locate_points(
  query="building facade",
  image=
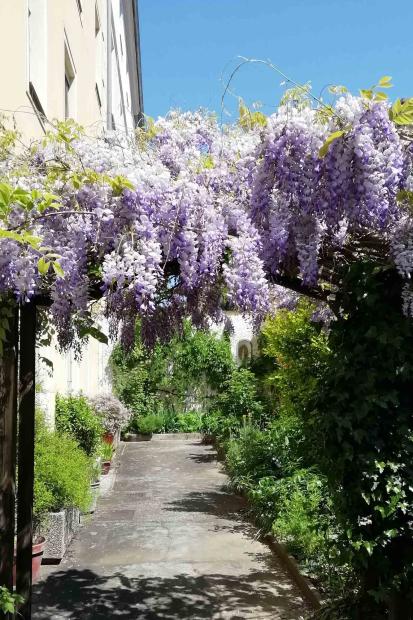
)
(75, 59)
(78, 59)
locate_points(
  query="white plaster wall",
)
(241, 331)
(34, 35)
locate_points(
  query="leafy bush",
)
(239, 397)
(299, 349)
(9, 602)
(190, 422)
(151, 423)
(62, 473)
(250, 456)
(221, 426)
(130, 376)
(75, 417)
(173, 376)
(364, 415)
(110, 410)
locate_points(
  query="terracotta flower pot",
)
(105, 467)
(37, 555)
(108, 438)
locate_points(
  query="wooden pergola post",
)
(8, 433)
(17, 405)
(25, 458)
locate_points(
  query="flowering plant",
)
(188, 214)
(111, 411)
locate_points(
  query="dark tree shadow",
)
(208, 457)
(217, 503)
(85, 595)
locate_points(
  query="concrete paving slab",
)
(169, 541)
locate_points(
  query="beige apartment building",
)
(70, 59)
(75, 59)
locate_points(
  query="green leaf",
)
(46, 361)
(379, 96)
(22, 197)
(334, 136)
(368, 546)
(95, 332)
(401, 112)
(23, 237)
(58, 269)
(405, 195)
(366, 93)
(5, 193)
(337, 89)
(385, 81)
(43, 266)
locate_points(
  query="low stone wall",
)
(60, 529)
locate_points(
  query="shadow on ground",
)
(85, 595)
(208, 457)
(216, 503)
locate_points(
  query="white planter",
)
(60, 529)
(94, 492)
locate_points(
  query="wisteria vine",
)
(188, 216)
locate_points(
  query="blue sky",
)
(189, 48)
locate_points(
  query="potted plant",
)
(94, 486)
(112, 414)
(37, 556)
(61, 490)
(107, 455)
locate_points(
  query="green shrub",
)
(302, 513)
(239, 397)
(160, 381)
(299, 348)
(75, 417)
(298, 510)
(250, 456)
(190, 422)
(62, 473)
(364, 415)
(151, 423)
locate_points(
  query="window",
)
(244, 351)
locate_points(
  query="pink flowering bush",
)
(110, 410)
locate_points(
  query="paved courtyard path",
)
(168, 541)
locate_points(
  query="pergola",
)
(17, 409)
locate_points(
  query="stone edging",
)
(308, 590)
(166, 436)
(136, 437)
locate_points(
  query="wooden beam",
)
(8, 428)
(25, 459)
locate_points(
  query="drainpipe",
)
(109, 64)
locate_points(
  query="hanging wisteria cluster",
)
(187, 216)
